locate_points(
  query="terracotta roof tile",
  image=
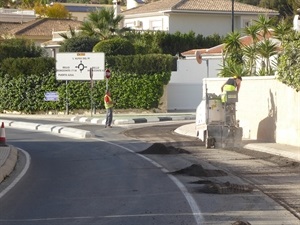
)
(44, 27)
(197, 5)
(6, 27)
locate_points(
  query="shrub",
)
(115, 46)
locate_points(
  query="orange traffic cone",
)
(2, 135)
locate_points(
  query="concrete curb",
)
(294, 155)
(72, 132)
(187, 130)
(9, 162)
(132, 120)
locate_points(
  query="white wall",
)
(149, 23)
(184, 91)
(205, 24)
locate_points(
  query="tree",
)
(264, 24)
(18, 48)
(103, 24)
(288, 66)
(250, 51)
(282, 29)
(266, 49)
(115, 46)
(231, 69)
(233, 57)
(233, 47)
(57, 11)
(5, 3)
(79, 44)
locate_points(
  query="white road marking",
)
(18, 178)
(191, 201)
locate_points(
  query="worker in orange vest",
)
(109, 104)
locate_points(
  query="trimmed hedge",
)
(27, 66)
(135, 86)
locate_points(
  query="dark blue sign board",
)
(51, 96)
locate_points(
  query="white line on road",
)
(18, 178)
(191, 201)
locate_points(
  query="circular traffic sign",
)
(107, 73)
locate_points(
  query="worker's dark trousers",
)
(109, 116)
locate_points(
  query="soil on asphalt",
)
(275, 176)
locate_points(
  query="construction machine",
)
(216, 122)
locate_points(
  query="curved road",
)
(106, 181)
(91, 182)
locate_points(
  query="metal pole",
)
(232, 16)
(207, 67)
(91, 100)
(91, 76)
(67, 99)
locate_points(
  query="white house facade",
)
(202, 17)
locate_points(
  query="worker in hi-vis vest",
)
(109, 104)
(232, 84)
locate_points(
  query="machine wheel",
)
(207, 140)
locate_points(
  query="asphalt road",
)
(226, 186)
(91, 182)
(274, 179)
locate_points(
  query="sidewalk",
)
(288, 151)
(9, 154)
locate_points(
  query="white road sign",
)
(77, 65)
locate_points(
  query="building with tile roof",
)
(40, 30)
(44, 32)
(204, 17)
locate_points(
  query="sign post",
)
(107, 76)
(91, 76)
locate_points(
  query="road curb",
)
(121, 121)
(9, 162)
(72, 132)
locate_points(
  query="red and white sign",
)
(107, 73)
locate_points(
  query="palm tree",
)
(264, 25)
(103, 24)
(266, 49)
(250, 51)
(232, 69)
(233, 47)
(70, 34)
(250, 57)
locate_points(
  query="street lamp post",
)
(232, 16)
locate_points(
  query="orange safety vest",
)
(108, 104)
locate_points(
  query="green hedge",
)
(133, 87)
(27, 66)
(141, 64)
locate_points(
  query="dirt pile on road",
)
(225, 188)
(198, 171)
(241, 223)
(159, 148)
